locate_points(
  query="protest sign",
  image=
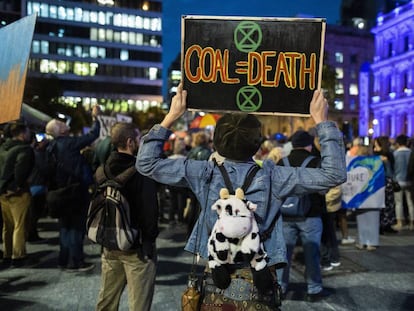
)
(16, 40)
(365, 184)
(252, 64)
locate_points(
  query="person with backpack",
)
(135, 266)
(237, 137)
(307, 224)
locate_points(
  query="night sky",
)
(174, 9)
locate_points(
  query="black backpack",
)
(296, 206)
(109, 221)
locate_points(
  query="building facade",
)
(100, 52)
(392, 101)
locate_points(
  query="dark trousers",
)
(329, 241)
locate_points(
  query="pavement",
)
(366, 280)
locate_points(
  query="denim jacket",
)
(271, 184)
(401, 158)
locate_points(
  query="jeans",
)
(399, 207)
(309, 231)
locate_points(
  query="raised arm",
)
(177, 108)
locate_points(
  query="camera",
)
(40, 137)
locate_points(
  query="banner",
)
(16, 40)
(252, 64)
(106, 123)
(365, 185)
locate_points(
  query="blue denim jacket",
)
(401, 158)
(271, 184)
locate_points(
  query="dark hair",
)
(120, 133)
(17, 128)
(402, 140)
(237, 136)
(384, 143)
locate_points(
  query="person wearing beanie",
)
(298, 227)
(237, 137)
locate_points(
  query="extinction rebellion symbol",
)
(247, 38)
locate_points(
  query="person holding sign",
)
(237, 138)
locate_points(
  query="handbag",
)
(63, 201)
(190, 299)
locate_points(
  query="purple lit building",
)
(392, 100)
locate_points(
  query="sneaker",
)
(335, 264)
(397, 227)
(84, 267)
(371, 248)
(359, 246)
(327, 267)
(318, 296)
(348, 240)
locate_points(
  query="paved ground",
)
(379, 280)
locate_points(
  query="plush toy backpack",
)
(235, 237)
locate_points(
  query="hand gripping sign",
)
(252, 64)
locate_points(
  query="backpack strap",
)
(304, 163)
(247, 182)
(103, 174)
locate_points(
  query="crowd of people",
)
(174, 181)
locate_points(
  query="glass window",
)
(124, 20)
(101, 34)
(131, 21)
(102, 52)
(69, 50)
(339, 104)
(153, 41)
(44, 10)
(61, 12)
(353, 74)
(93, 68)
(85, 16)
(70, 15)
(124, 37)
(93, 51)
(139, 22)
(94, 34)
(61, 67)
(124, 55)
(78, 14)
(352, 104)
(44, 66)
(339, 88)
(117, 36)
(101, 18)
(35, 46)
(132, 38)
(353, 89)
(155, 24)
(354, 58)
(339, 57)
(36, 8)
(44, 47)
(94, 17)
(152, 73)
(109, 18)
(140, 39)
(147, 23)
(339, 73)
(77, 51)
(53, 11)
(118, 19)
(109, 35)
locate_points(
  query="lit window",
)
(85, 16)
(176, 75)
(109, 17)
(117, 36)
(124, 20)
(118, 20)
(139, 22)
(36, 8)
(61, 12)
(77, 51)
(101, 18)
(152, 73)
(81, 69)
(69, 51)
(93, 67)
(102, 53)
(93, 51)
(78, 14)
(131, 21)
(61, 68)
(124, 55)
(124, 37)
(44, 10)
(147, 23)
(339, 104)
(153, 41)
(94, 34)
(132, 38)
(35, 46)
(94, 17)
(44, 47)
(155, 24)
(44, 66)
(339, 73)
(109, 35)
(53, 11)
(70, 15)
(339, 57)
(140, 38)
(353, 89)
(101, 34)
(339, 88)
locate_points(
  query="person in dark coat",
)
(72, 167)
(136, 266)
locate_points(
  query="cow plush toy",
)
(235, 239)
